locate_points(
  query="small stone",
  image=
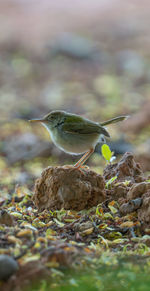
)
(8, 266)
(130, 206)
(6, 218)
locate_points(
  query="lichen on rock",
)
(69, 188)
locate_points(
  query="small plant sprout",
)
(110, 181)
(107, 153)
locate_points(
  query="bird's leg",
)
(83, 159)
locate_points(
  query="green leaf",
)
(112, 209)
(60, 224)
(109, 182)
(99, 210)
(106, 152)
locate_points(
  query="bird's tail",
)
(114, 120)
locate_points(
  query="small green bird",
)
(75, 134)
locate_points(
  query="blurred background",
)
(87, 57)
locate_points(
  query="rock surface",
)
(69, 188)
(138, 199)
(131, 206)
(144, 211)
(125, 169)
(138, 189)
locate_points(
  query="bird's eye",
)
(51, 118)
(102, 139)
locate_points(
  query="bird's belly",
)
(75, 143)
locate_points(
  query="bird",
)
(75, 134)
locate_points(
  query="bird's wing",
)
(82, 126)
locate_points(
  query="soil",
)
(69, 188)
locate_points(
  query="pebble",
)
(6, 218)
(8, 266)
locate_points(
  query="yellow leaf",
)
(13, 239)
(127, 224)
(112, 209)
(16, 214)
(25, 232)
(106, 152)
(99, 211)
(112, 203)
(41, 239)
(87, 250)
(108, 215)
(119, 240)
(37, 223)
(60, 224)
(87, 231)
(102, 226)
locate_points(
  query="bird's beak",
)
(37, 120)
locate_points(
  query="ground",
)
(61, 247)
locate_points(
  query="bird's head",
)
(52, 119)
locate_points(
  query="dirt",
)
(125, 169)
(68, 188)
(144, 211)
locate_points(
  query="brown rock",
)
(26, 274)
(144, 159)
(119, 191)
(137, 190)
(125, 169)
(130, 206)
(69, 188)
(6, 218)
(144, 211)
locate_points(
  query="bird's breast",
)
(74, 143)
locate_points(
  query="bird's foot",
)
(81, 168)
